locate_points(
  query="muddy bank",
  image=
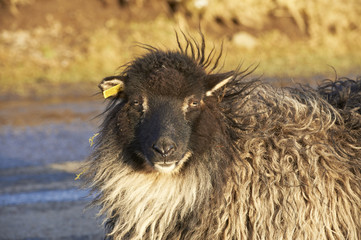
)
(30, 112)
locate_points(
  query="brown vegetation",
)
(55, 41)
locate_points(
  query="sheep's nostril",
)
(165, 149)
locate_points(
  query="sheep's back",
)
(300, 163)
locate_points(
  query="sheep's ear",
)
(112, 86)
(216, 81)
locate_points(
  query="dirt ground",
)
(80, 17)
(68, 46)
(74, 14)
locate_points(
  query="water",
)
(44, 144)
(67, 195)
(38, 133)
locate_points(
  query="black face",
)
(163, 130)
(164, 96)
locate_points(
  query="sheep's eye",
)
(194, 103)
(136, 102)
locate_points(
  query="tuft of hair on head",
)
(211, 63)
(197, 51)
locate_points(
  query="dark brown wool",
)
(185, 153)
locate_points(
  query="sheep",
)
(186, 151)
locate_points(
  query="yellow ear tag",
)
(113, 91)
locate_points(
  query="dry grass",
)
(56, 54)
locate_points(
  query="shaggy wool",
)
(281, 164)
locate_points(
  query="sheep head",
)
(162, 97)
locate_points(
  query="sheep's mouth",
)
(165, 167)
(171, 166)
